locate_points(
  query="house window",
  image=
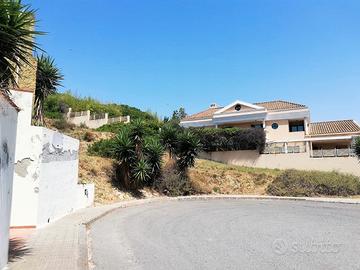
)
(257, 126)
(238, 107)
(296, 126)
(275, 125)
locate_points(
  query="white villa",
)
(287, 125)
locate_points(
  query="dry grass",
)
(216, 178)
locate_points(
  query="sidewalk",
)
(62, 245)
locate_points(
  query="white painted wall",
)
(46, 186)
(46, 172)
(8, 122)
(299, 161)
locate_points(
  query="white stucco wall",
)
(300, 161)
(46, 172)
(46, 179)
(8, 122)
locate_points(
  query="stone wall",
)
(27, 79)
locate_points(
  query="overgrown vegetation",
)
(139, 150)
(57, 104)
(230, 139)
(314, 183)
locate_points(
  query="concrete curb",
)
(85, 245)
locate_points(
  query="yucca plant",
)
(124, 152)
(137, 133)
(141, 172)
(48, 79)
(154, 152)
(16, 41)
(168, 137)
(188, 147)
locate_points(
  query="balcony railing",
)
(284, 148)
(341, 152)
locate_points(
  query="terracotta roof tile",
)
(334, 127)
(280, 105)
(208, 113)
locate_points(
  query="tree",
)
(48, 78)
(357, 146)
(179, 114)
(16, 41)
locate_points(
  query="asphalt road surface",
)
(228, 234)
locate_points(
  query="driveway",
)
(228, 234)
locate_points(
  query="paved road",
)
(228, 234)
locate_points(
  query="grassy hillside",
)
(58, 103)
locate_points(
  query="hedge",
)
(230, 139)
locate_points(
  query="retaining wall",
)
(300, 161)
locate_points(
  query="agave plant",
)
(48, 78)
(154, 152)
(187, 150)
(16, 40)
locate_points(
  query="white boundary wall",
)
(299, 161)
(46, 179)
(8, 123)
(84, 118)
(46, 172)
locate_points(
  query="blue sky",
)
(161, 55)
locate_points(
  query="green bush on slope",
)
(314, 183)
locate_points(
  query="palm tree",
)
(16, 41)
(48, 78)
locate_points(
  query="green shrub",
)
(151, 126)
(314, 183)
(174, 184)
(102, 148)
(230, 139)
(57, 104)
